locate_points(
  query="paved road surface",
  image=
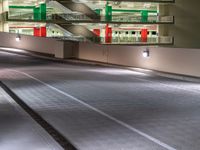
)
(102, 108)
(18, 131)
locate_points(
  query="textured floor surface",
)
(18, 131)
(102, 108)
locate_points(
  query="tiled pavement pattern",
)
(165, 109)
(18, 131)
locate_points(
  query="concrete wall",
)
(59, 49)
(30, 43)
(187, 23)
(173, 60)
(94, 52)
(182, 58)
(68, 49)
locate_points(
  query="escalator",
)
(79, 7)
(60, 21)
(78, 30)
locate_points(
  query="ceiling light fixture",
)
(18, 38)
(146, 53)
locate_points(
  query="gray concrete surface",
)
(103, 108)
(18, 131)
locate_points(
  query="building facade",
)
(142, 22)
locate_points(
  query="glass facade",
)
(104, 22)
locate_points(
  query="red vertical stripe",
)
(43, 31)
(36, 31)
(97, 32)
(144, 34)
(108, 34)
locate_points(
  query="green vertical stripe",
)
(43, 10)
(36, 14)
(108, 13)
(144, 15)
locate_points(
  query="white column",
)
(5, 27)
(5, 6)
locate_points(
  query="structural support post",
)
(108, 13)
(108, 34)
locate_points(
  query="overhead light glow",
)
(12, 49)
(18, 38)
(146, 53)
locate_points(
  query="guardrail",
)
(139, 19)
(166, 40)
(152, 1)
(121, 18)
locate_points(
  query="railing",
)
(161, 1)
(166, 39)
(49, 17)
(162, 40)
(68, 17)
(20, 16)
(157, 1)
(139, 19)
(81, 17)
(115, 19)
(138, 41)
(167, 19)
(69, 38)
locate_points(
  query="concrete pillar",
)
(1, 6)
(5, 6)
(1, 10)
(5, 27)
(163, 11)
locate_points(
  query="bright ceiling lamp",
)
(146, 53)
